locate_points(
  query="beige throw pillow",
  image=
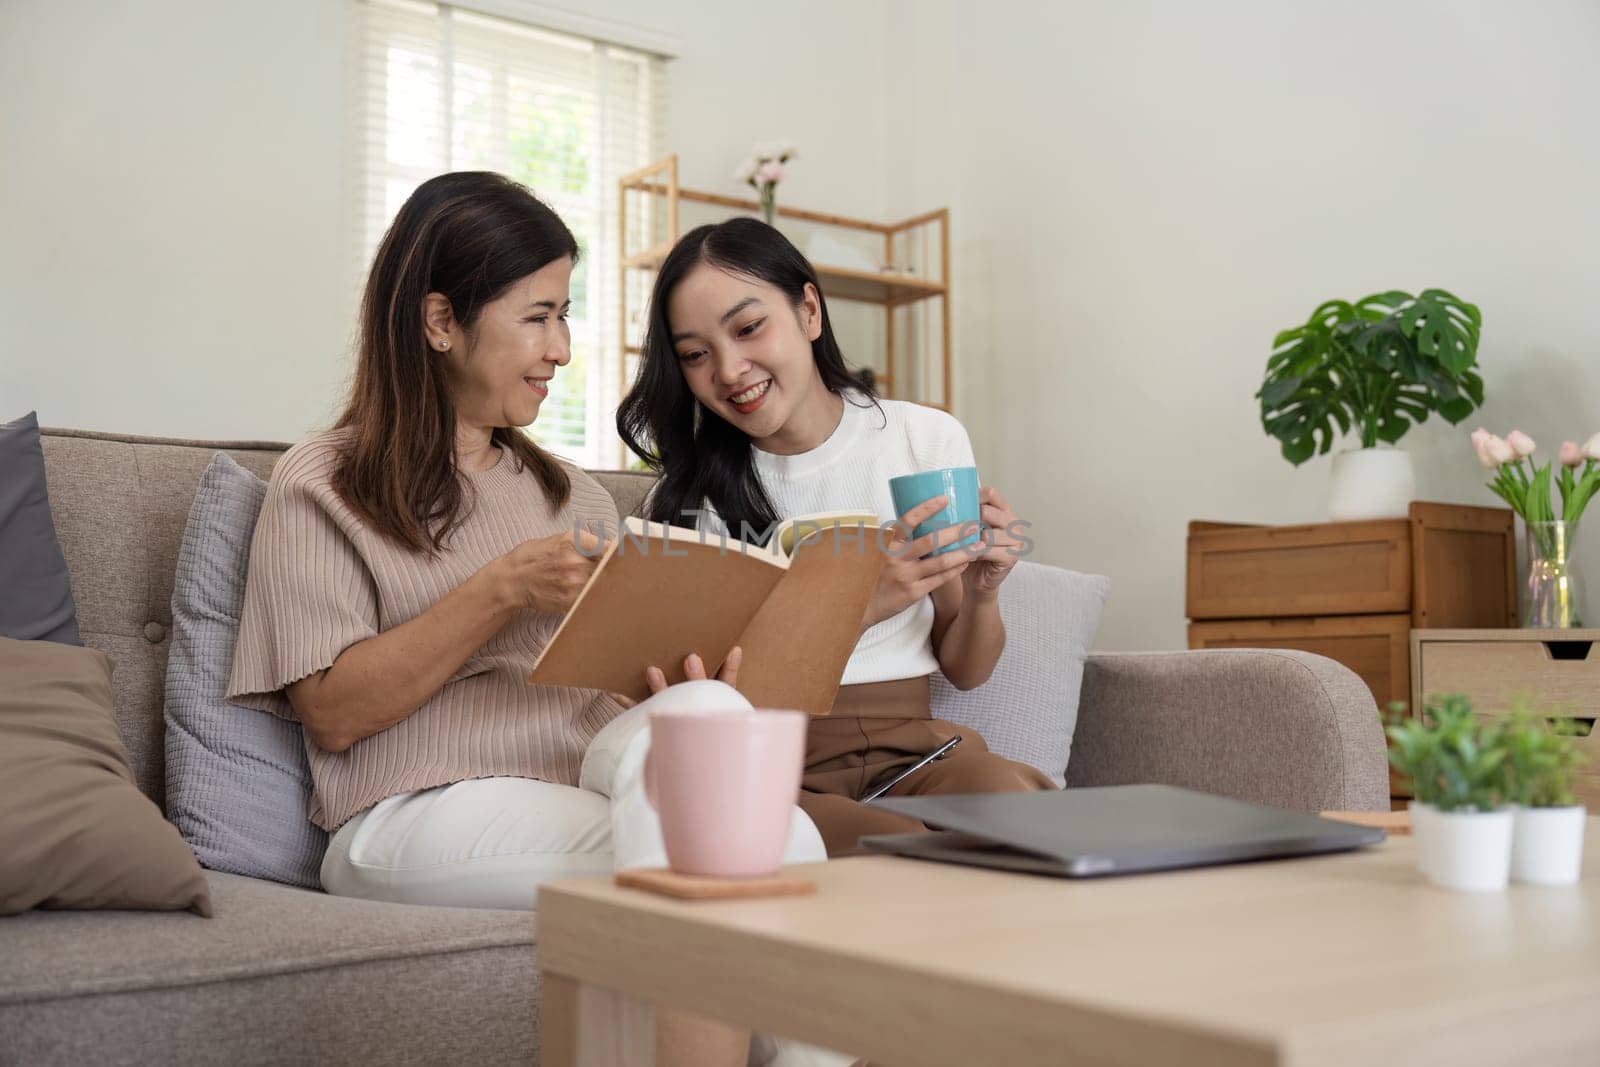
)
(75, 832)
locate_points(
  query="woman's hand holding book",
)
(546, 574)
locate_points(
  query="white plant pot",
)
(1471, 850)
(1547, 845)
(1422, 833)
(1371, 483)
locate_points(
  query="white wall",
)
(172, 215)
(1144, 194)
(751, 72)
(174, 239)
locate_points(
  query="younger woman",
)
(746, 407)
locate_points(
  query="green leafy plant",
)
(1455, 761)
(1414, 752)
(1375, 367)
(1542, 762)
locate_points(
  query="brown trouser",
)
(877, 730)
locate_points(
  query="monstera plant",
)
(1371, 369)
(1375, 367)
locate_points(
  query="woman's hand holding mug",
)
(911, 572)
(1002, 549)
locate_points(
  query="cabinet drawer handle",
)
(1568, 650)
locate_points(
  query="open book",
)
(661, 592)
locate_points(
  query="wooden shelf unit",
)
(888, 289)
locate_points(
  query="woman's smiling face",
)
(499, 371)
(744, 348)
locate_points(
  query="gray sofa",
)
(284, 975)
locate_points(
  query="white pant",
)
(491, 842)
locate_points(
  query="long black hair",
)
(700, 455)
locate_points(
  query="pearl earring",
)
(443, 345)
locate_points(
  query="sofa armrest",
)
(1289, 729)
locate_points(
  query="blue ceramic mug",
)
(959, 487)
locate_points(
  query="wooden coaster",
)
(697, 887)
(1395, 822)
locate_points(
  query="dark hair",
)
(700, 455)
(468, 236)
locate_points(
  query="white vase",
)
(1422, 833)
(1471, 850)
(1371, 483)
(1547, 845)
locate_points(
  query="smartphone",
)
(939, 753)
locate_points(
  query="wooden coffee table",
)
(1338, 960)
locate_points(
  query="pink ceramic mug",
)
(725, 784)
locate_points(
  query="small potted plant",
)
(1542, 765)
(1464, 841)
(1413, 749)
(1372, 369)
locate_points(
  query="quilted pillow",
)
(238, 786)
(1028, 708)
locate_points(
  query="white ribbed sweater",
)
(321, 580)
(851, 471)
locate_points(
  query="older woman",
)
(410, 564)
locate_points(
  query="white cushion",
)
(1028, 708)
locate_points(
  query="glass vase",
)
(1554, 591)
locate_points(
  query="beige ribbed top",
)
(321, 580)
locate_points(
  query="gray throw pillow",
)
(238, 786)
(1028, 708)
(37, 602)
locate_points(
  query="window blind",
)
(438, 88)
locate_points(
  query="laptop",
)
(1124, 829)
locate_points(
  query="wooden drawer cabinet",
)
(1447, 565)
(1245, 572)
(1558, 671)
(1374, 646)
(1353, 591)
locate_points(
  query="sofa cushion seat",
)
(280, 974)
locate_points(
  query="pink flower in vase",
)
(1571, 455)
(770, 171)
(1500, 452)
(1591, 448)
(1521, 444)
(1480, 445)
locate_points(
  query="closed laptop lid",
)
(1114, 829)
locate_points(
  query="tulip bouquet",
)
(763, 171)
(1527, 488)
(1554, 596)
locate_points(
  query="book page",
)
(800, 529)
